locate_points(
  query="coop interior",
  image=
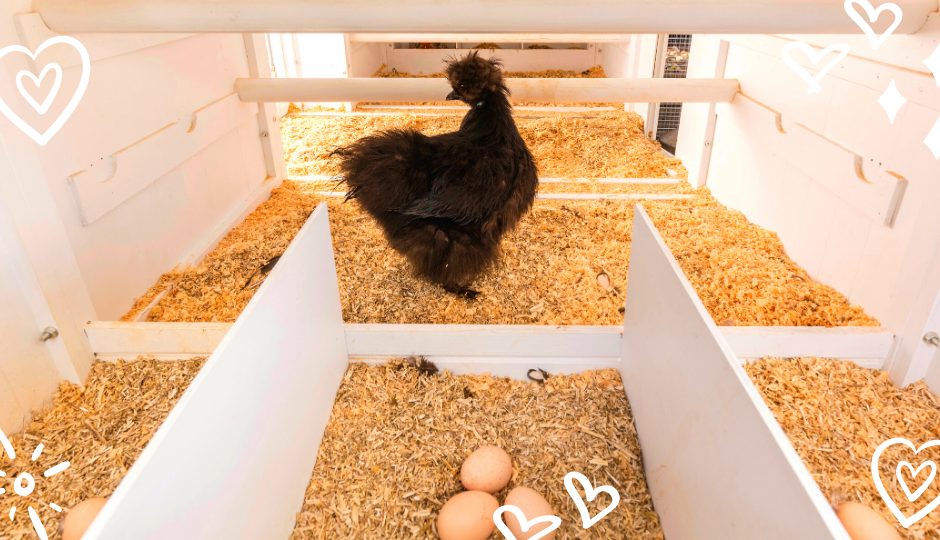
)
(725, 296)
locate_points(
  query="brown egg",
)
(488, 469)
(467, 516)
(532, 505)
(79, 518)
(863, 523)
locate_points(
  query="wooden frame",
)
(33, 32)
(544, 180)
(489, 38)
(709, 442)
(711, 120)
(424, 16)
(537, 90)
(234, 457)
(867, 346)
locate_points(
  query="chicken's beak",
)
(454, 96)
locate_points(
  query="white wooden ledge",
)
(867, 346)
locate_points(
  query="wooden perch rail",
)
(538, 90)
(483, 16)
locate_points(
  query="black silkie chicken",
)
(444, 202)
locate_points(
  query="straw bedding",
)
(414, 431)
(548, 273)
(550, 265)
(392, 451)
(100, 429)
(607, 144)
(836, 414)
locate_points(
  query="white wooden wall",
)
(615, 57)
(794, 188)
(158, 160)
(28, 373)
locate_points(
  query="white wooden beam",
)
(612, 196)
(33, 32)
(490, 38)
(709, 441)
(867, 346)
(537, 90)
(572, 196)
(544, 180)
(453, 16)
(243, 439)
(465, 108)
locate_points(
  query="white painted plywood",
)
(844, 248)
(427, 61)
(709, 442)
(865, 182)
(118, 176)
(234, 457)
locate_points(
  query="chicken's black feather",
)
(445, 201)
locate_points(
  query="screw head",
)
(48, 333)
(932, 338)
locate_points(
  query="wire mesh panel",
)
(676, 67)
(677, 56)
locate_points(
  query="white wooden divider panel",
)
(127, 171)
(874, 192)
(234, 457)
(717, 463)
(33, 32)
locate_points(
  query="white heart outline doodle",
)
(923, 487)
(872, 17)
(42, 139)
(41, 109)
(905, 522)
(814, 87)
(523, 523)
(591, 493)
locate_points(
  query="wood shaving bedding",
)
(218, 289)
(141, 303)
(392, 451)
(836, 414)
(330, 184)
(603, 145)
(100, 429)
(547, 275)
